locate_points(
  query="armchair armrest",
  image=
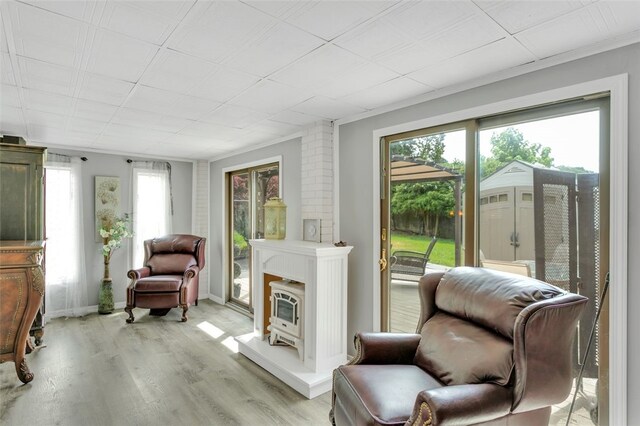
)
(136, 274)
(385, 348)
(461, 405)
(191, 272)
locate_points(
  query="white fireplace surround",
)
(322, 268)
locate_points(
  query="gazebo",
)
(411, 170)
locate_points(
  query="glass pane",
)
(241, 231)
(543, 229)
(427, 177)
(266, 184)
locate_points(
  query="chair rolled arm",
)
(191, 272)
(136, 274)
(385, 348)
(461, 405)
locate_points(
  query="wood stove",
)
(287, 309)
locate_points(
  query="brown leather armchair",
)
(492, 348)
(169, 278)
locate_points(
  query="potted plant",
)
(113, 232)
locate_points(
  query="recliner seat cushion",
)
(491, 298)
(159, 284)
(380, 394)
(170, 264)
(458, 352)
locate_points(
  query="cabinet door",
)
(21, 216)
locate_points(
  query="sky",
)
(573, 139)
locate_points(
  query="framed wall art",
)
(107, 190)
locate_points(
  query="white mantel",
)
(323, 270)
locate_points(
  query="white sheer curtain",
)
(152, 204)
(66, 283)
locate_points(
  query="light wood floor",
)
(97, 370)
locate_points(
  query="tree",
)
(510, 145)
(425, 147)
(426, 200)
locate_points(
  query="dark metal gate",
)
(567, 243)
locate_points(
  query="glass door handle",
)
(383, 260)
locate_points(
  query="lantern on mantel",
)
(275, 219)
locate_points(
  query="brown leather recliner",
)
(169, 278)
(492, 348)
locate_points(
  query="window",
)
(152, 205)
(65, 278)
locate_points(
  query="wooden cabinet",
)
(22, 202)
(21, 293)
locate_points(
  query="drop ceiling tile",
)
(77, 139)
(294, 117)
(279, 46)
(165, 123)
(47, 77)
(46, 119)
(134, 134)
(387, 93)
(520, 15)
(47, 102)
(93, 110)
(119, 143)
(222, 29)
(46, 134)
(9, 96)
(3, 40)
(88, 127)
(104, 89)
(169, 103)
(119, 56)
(327, 108)
(426, 18)
(464, 36)
(6, 69)
(582, 27)
(359, 78)
(329, 19)
(175, 9)
(374, 39)
(280, 8)
(234, 116)
(141, 23)
(270, 97)
(47, 36)
(12, 121)
(501, 55)
(208, 130)
(80, 10)
(223, 84)
(176, 71)
(320, 65)
(275, 128)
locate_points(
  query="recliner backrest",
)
(174, 254)
(468, 335)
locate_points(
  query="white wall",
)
(116, 165)
(290, 175)
(357, 193)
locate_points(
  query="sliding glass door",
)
(248, 191)
(525, 192)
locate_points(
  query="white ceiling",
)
(202, 79)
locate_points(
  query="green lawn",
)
(443, 252)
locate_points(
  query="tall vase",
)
(105, 296)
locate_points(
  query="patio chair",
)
(404, 262)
